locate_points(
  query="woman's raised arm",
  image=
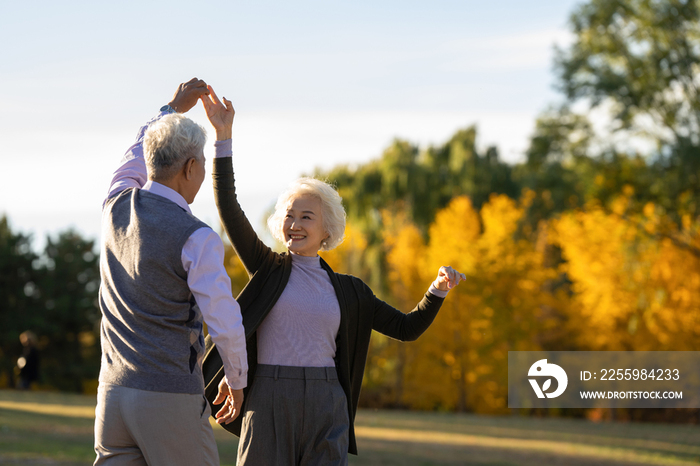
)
(249, 248)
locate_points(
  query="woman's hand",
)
(220, 114)
(448, 278)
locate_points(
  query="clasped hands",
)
(220, 113)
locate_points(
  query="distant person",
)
(308, 327)
(162, 274)
(28, 363)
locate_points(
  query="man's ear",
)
(188, 168)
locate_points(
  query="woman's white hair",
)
(169, 143)
(332, 210)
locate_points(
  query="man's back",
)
(152, 328)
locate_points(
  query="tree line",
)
(54, 295)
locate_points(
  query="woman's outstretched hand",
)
(448, 278)
(220, 114)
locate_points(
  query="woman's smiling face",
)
(303, 225)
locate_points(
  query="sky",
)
(314, 84)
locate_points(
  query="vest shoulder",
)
(165, 207)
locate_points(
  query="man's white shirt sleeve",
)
(203, 259)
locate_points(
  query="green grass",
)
(57, 429)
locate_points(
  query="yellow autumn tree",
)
(348, 256)
(635, 277)
(406, 283)
(445, 348)
(673, 292)
(461, 361)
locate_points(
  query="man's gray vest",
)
(151, 328)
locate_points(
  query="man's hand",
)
(187, 95)
(234, 401)
(220, 114)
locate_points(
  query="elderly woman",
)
(307, 327)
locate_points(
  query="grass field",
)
(56, 429)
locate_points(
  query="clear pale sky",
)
(314, 83)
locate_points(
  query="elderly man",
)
(162, 274)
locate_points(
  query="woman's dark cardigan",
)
(360, 311)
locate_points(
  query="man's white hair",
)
(169, 143)
(332, 210)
